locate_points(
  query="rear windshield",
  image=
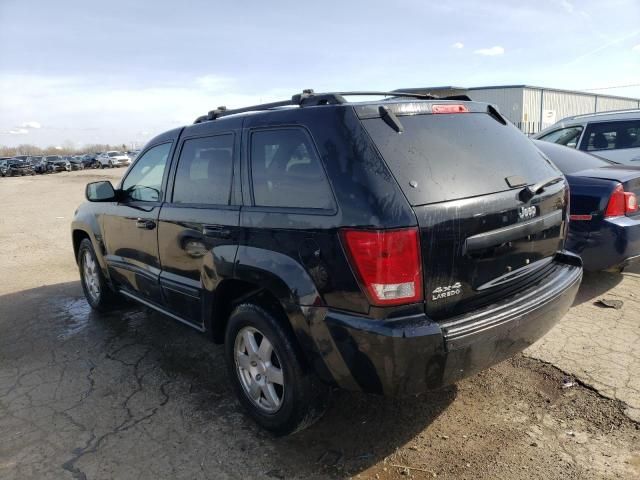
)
(450, 156)
(569, 160)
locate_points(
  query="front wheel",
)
(96, 290)
(280, 392)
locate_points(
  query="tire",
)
(303, 397)
(97, 292)
(110, 164)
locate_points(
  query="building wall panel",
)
(605, 104)
(508, 101)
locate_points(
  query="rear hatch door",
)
(482, 237)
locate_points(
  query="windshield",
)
(53, 157)
(113, 154)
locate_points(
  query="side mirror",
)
(100, 192)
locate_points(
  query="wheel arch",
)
(77, 235)
(82, 228)
(280, 285)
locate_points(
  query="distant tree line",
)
(27, 149)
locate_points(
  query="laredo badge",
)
(447, 291)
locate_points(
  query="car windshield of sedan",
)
(114, 154)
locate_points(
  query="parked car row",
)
(32, 164)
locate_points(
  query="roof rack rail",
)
(307, 98)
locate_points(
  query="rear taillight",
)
(387, 263)
(449, 108)
(621, 203)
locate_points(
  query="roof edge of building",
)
(534, 87)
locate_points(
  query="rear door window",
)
(286, 170)
(612, 136)
(451, 156)
(204, 171)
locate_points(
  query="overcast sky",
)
(111, 71)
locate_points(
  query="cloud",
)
(23, 129)
(90, 111)
(490, 52)
(457, 45)
(567, 5)
(636, 48)
(604, 46)
(213, 82)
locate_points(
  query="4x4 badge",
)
(446, 291)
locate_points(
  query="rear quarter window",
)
(286, 170)
(451, 156)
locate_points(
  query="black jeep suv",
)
(388, 246)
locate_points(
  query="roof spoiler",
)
(426, 91)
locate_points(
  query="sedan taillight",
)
(621, 203)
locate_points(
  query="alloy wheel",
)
(90, 276)
(259, 369)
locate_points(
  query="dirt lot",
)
(134, 395)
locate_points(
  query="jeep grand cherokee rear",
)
(388, 246)
(484, 266)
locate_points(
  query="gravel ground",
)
(134, 395)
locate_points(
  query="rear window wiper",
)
(527, 193)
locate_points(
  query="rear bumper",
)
(414, 354)
(615, 244)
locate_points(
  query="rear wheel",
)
(96, 290)
(269, 377)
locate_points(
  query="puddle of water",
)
(74, 312)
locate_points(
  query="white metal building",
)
(534, 108)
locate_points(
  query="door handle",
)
(146, 224)
(216, 231)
